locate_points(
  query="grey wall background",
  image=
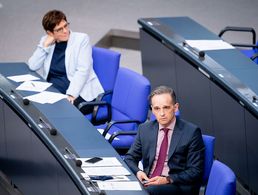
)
(21, 28)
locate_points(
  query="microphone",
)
(52, 131)
(201, 54)
(26, 101)
(78, 162)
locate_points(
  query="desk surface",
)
(64, 117)
(239, 72)
(70, 123)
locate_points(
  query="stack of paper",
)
(113, 171)
(36, 86)
(125, 185)
(106, 161)
(107, 166)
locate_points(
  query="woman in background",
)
(66, 59)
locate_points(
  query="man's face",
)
(163, 108)
(61, 31)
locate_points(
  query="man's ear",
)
(176, 106)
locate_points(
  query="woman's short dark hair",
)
(51, 19)
(162, 90)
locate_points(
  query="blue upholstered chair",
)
(209, 142)
(222, 180)
(128, 108)
(251, 50)
(105, 64)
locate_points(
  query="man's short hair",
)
(51, 19)
(163, 90)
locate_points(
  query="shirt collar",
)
(171, 126)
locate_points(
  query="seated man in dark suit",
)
(171, 149)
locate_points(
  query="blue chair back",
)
(106, 64)
(130, 98)
(209, 142)
(222, 180)
(129, 102)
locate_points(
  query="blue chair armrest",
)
(96, 103)
(254, 56)
(111, 123)
(117, 133)
(96, 108)
(102, 95)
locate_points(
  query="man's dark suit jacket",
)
(185, 156)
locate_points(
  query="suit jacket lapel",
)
(68, 51)
(154, 137)
(176, 136)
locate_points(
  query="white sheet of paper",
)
(115, 178)
(46, 97)
(118, 178)
(105, 162)
(120, 185)
(106, 170)
(204, 45)
(36, 86)
(85, 176)
(24, 77)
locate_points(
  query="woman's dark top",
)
(57, 73)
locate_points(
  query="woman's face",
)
(61, 32)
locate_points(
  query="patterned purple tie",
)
(162, 155)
